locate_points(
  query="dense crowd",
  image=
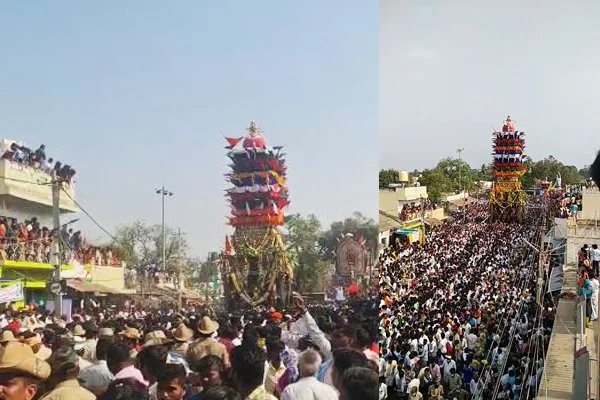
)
(567, 202)
(414, 211)
(29, 241)
(26, 157)
(311, 353)
(459, 318)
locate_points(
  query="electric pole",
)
(56, 244)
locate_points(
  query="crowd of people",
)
(27, 157)
(30, 241)
(414, 211)
(308, 353)
(567, 203)
(459, 318)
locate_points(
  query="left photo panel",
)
(187, 201)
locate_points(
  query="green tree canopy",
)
(306, 253)
(450, 175)
(387, 177)
(548, 169)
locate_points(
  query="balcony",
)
(32, 185)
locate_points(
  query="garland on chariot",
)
(255, 258)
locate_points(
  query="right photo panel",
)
(489, 206)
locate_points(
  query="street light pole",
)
(163, 192)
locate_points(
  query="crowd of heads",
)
(567, 202)
(458, 314)
(29, 241)
(27, 157)
(111, 353)
(414, 211)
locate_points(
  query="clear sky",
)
(135, 94)
(450, 70)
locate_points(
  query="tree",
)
(548, 168)
(307, 254)
(585, 172)
(528, 179)
(437, 183)
(140, 244)
(459, 172)
(387, 177)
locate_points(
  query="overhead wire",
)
(89, 215)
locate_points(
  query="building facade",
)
(26, 195)
(405, 211)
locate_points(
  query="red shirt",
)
(15, 326)
(375, 348)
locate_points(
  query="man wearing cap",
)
(207, 344)
(182, 336)
(35, 342)
(105, 333)
(132, 336)
(21, 372)
(65, 369)
(6, 337)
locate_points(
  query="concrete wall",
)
(112, 277)
(585, 235)
(388, 202)
(384, 239)
(590, 204)
(454, 197)
(412, 193)
(438, 213)
(25, 183)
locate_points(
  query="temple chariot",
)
(507, 198)
(255, 263)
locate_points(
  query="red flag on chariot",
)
(233, 141)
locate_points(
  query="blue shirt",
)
(468, 374)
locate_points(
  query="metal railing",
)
(582, 356)
(584, 386)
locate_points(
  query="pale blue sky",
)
(450, 70)
(137, 93)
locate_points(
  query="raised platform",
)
(558, 378)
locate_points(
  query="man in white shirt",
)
(595, 254)
(308, 387)
(594, 285)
